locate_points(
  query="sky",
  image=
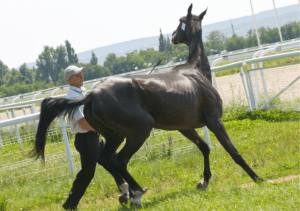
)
(29, 25)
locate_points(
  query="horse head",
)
(189, 26)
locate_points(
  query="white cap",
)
(72, 70)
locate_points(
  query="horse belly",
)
(175, 114)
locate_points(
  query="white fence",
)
(213, 60)
(62, 158)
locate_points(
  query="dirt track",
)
(231, 87)
(278, 180)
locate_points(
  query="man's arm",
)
(83, 123)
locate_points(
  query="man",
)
(87, 141)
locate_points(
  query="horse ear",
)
(190, 10)
(202, 14)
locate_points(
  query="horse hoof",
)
(145, 189)
(137, 197)
(123, 198)
(202, 186)
(133, 204)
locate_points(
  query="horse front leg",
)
(202, 145)
(217, 127)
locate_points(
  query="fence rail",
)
(225, 56)
(61, 155)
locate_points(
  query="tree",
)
(72, 57)
(134, 62)
(27, 74)
(169, 45)
(263, 35)
(3, 71)
(181, 53)
(162, 43)
(50, 62)
(93, 71)
(235, 43)
(290, 30)
(60, 62)
(150, 56)
(109, 61)
(94, 59)
(45, 64)
(119, 65)
(251, 40)
(13, 77)
(215, 41)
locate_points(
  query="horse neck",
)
(197, 57)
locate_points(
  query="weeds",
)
(3, 204)
(171, 173)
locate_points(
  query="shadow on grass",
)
(161, 199)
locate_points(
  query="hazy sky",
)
(29, 25)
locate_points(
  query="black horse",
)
(181, 99)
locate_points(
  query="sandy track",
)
(278, 180)
(231, 87)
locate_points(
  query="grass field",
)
(268, 141)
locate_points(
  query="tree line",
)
(52, 62)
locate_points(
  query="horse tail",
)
(50, 109)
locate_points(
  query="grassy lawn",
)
(268, 141)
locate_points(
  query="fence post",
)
(32, 112)
(17, 130)
(32, 108)
(245, 86)
(1, 143)
(264, 82)
(214, 82)
(257, 87)
(250, 89)
(63, 125)
(255, 77)
(24, 112)
(262, 71)
(213, 75)
(11, 129)
(206, 136)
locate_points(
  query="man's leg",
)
(87, 145)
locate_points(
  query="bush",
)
(274, 115)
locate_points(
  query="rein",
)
(163, 57)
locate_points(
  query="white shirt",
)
(73, 94)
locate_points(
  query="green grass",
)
(268, 141)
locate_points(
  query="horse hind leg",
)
(217, 127)
(119, 162)
(104, 157)
(203, 146)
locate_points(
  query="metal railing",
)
(245, 76)
(225, 56)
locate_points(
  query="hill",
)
(241, 26)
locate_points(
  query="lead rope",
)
(163, 57)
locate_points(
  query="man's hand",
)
(83, 123)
